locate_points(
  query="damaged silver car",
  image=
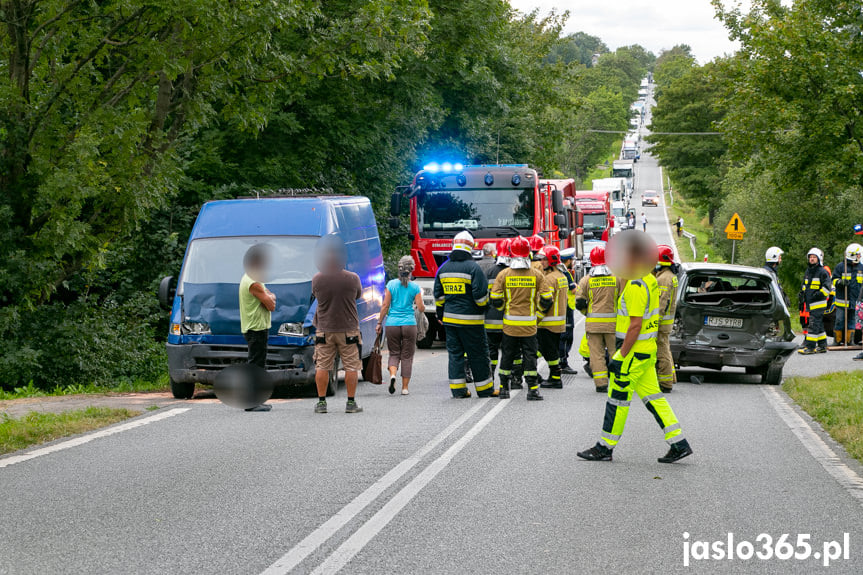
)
(731, 316)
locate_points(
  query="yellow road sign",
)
(734, 235)
(735, 226)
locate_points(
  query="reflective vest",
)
(817, 286)
(852, 278)
(640, 298)
(461, 289)
(522, 294)
(601, 293)
(667, 281)
(555, 320)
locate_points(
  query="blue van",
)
(204, 335)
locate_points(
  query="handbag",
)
(374, 370)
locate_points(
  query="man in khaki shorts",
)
(338, 327)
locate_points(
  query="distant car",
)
(650, 198)
(588, 247)
(732, 316)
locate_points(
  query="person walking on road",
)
(256, 306)
(553, 323)
(400, 300)
(493, 316)
(633, 365)
(596, 297)
(813, 300)
(523, 293)
(666, 277)
(643, 222)
(336, 291)
(848, 284)
(461, 296)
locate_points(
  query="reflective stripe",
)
(670, 428)
(821, 337)
(519, 320)
(483, 385)
(553, 320)
(482, 301)
(648, 398)
(611, 436)
(461, 319)
(641, 336)
(677, 439)
(600, 374)
(618, 403)
(455, 275)
(818, 305)
(494, 326)
(601, 315)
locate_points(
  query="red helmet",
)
(666, 255)
(520, 247)
(552, 254)
(597, 256)
(536, 242)
(503, 248)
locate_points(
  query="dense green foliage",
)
(790, 160)
(119, 118)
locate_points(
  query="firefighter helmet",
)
(818, 253)
(773, 255)
(666, 255)
(503, 248)
(463, 241)
(597, 256)
(536, 242)
(552, 254)
(520, 247)
(854, 252)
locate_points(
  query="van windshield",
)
(220, 260)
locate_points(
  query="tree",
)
(579, 47)
(671, 65)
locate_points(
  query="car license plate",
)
(732, 322)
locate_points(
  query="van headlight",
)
(195, 328)
(293, 329)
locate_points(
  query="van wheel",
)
(772, 374)
(333, 382)
(182, 390)
(428, 340)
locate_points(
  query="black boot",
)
(504, 387)
(533, 390)
(598, 452)
(554, 379)
(676, 452)
(587, 369)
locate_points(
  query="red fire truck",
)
(492, 202)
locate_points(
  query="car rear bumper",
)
(201, 363)
(717, 357)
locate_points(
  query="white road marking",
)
(6, 462)
(387, 513)
(323, 533)
(847, 478)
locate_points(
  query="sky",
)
(655, 24)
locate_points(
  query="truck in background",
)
(629, 150)
(492, 202)
(596, 208)
(624, 169)
(204, 333)
(614, 186)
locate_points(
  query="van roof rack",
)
(289, 193)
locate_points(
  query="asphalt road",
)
(428, 484)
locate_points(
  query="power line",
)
(660, 133)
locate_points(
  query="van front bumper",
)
(201, 363)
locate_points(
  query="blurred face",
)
(813, 259)
(631, 254)
(779, 261)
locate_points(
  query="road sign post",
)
(734, 231)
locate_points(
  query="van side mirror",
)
(395, 223)
(396, 204)
(559, 220)
(557, 201)
(167, 291)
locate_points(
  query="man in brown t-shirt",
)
(338, 327)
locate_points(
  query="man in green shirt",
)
(256, 305)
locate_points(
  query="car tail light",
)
(677, 328)
(774, 329)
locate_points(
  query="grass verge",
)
(138, 386)
(694, 224)
(835, 400)
(35, 428)
(603, 170)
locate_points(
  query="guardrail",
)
(691, 237)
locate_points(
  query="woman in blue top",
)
(398, 310)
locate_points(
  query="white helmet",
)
(463, 241)
(816, 252)
(854, 252)
(773, 254)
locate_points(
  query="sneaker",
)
(405, 392)
(392, 385)
(676, 452)
(262, 407)
(807, 351)
(352, 407)
(596, 453)
(321, 407)
(858, 357)
(602, 389)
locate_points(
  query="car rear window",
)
(726, 290)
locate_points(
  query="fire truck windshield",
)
(594, 222)
(442, 213)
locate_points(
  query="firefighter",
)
(568, 336)
(553, 323)
(813, 300)
(493, 316)
(461, 296)
(633, 366)
(666, 277)
(772, 258)
(522, 293)
(847, 283)
(596, 297)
